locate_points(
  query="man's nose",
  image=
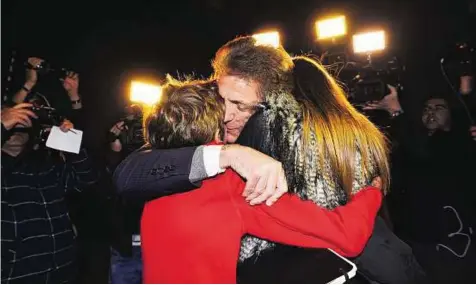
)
(429, 111)
(229, 112)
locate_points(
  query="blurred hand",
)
(66, 125)
(466, 84)
(377, 182)
(265, 176)
(19, 114)
(389, 103)
(32, 74)
(472, 131)
(71, 83)
(117, 129)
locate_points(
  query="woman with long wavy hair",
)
(329, 151)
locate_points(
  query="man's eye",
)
(242, 107)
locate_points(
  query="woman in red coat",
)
(194, 237)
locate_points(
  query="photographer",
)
(126, 260)
(432, 199)
(70, 84)
(38, 241)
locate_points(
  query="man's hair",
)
(438, 95)
(269, 66)
(189, 114)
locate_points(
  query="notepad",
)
(69, 141)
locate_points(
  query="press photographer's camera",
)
(133, 135)
(45, 68)
(369, 83)
(461, 59)
(47, 116)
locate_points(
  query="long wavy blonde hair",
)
(340, 130)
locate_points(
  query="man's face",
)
(436, 115)
(241, 97)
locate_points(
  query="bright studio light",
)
(145, 93)
(331, 28)
(268, 38)
(369, 42)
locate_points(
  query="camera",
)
(133, 136)
(47, 116)
(461, 59)
(45, 68)
(368, 83)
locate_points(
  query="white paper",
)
(69, 141)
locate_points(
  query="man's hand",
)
(389, 103)
(117, 129)
(19, 114)
(71, 84)
(466, 84)
(265, 178)
(31, 73)
(472, 131)
(66, 125)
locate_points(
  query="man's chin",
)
(432, 126)
(230, 138)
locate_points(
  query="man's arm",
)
(152, 173)
(31, 78)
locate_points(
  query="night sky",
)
(110, 42)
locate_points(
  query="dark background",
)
(111, 42)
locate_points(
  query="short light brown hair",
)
(269, 66)
(190, 113)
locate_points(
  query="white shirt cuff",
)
(211, 159)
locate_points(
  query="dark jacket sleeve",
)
(113, 159)
(152, 173)
(77, 116)
(83, 171)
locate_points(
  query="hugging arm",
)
(346, 229)
(152, 173)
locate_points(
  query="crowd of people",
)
(268, 154)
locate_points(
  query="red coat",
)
(195, 237)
